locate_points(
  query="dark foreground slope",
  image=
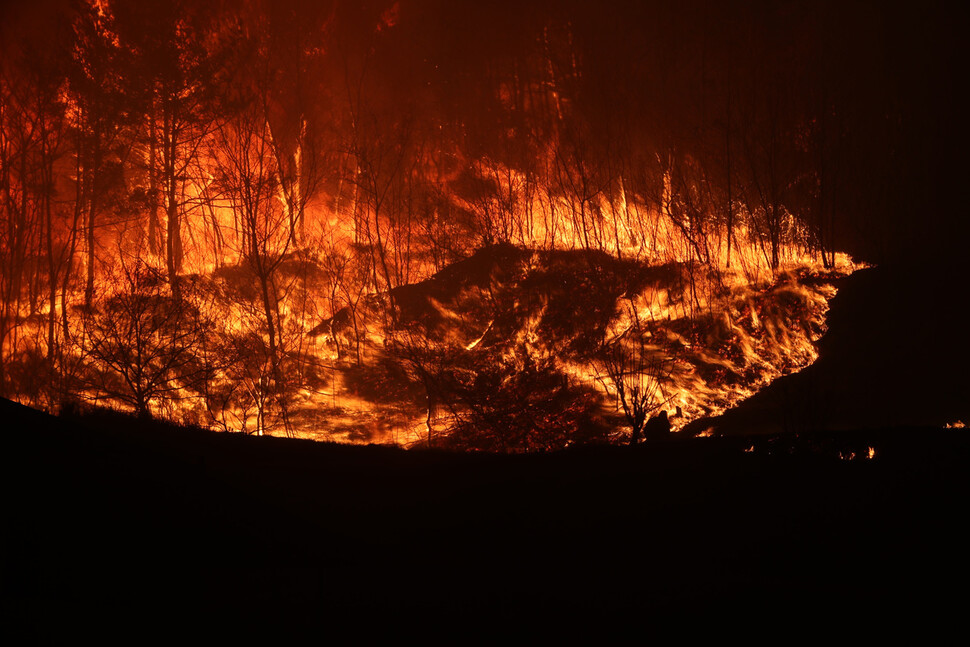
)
(116, 526)
(896, 353)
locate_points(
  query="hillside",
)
(513, 349)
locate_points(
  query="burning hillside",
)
(343, 222)
(525, 350)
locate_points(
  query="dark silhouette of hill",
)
(114, 526)
(895, 353)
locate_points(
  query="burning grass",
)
(509, 349)
(518, 339)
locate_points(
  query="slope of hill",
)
(514, 349)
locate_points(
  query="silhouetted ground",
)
(114, 527)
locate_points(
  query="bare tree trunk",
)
(269, 311)
(92, 187)
(52, 281)
(730, 198)
(173, 247)
(154, 228)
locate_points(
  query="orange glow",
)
(347, 272)
(753, 335)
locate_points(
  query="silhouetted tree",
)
(638, 372)
(180, 50)
(145, 344)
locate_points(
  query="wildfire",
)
(717, 335)
(363, 276)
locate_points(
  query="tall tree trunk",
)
(269, 311)
(92, 188)
(154, 229)
(52, 281)
(173, 246)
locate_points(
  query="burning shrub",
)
(533, 410)
(501, 402)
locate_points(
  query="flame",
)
(750, 339)
(721, 331)
(475, 342)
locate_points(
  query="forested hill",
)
(113, 526)
(188, 188)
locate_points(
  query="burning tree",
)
(182, 54)
(32, 235)
(144, 345)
